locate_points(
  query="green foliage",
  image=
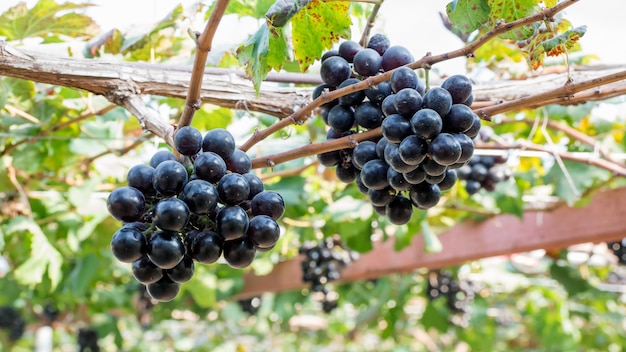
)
(468, 15)
(283, 10)
(46, 19)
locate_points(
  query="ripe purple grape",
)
(163, 290)
(231, 222)
(171, 214)
(396, 56)
(209, 166)
(445, 149)
(268, 203)
(348, 50)
(341, 118)
(128, 243)
(374, 174)
(220, 142)
(364, 152)
(169, 178)
(140, 177)
(403, 77)
(426, 123)
(379, 42)
(396, 127)
(335, 70)
(368, 115)
(407, 102)
(353, 98)
(255, 184)
(161, 156)
(239, 162)
(367, 62)
(399, 210)
(459, 119)
(439, 100)
(145, 271)
(126, 204)
(263, 231)
(183, 271)
(165, 249)
(239, 253)
(233, 189)
(459, 86)
(207, 247)
(200, 196)
(188, 140)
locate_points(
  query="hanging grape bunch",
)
(175, 215)
(12, 322)
(484, 171)
(322, 264)
(619, 250)
(426, 136)
(458, 294)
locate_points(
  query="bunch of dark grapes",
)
(484, 171)
(175, 213)
(426, 135)
(11, 321)
(619, 250)
(87, 340)
(322, 264)
(459, 294)
(250, 305)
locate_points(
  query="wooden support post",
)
(603, 219)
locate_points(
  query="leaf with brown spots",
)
(468, 15)
(564, 41)
(317, 27)
(511, 10)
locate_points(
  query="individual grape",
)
(472, 132)
(207, 247)
(397, 181)
(472, 186)
(126, 204)
(399, 210)
(363, 152)
(341, 118)
(387, 106)
(407, 101)
(171, 214)
(381, 145)
(359, 184)
(346, 173)
(165, 249)
(329, 53)
(464, 172)
(396, 56)
(416, 176)
(87, 340)
(163, 290)
(374, 174)
(255, 184)
(368, 115)
(220, 142)
(183, 271)
(268, 203)
(412, 150)
(263, 231)
(425, 195)
(459, 119)
(231, 222)
(330, 158)
(426, 123)
(128, 243)
(467, 147)
(393, 159)
(436, 179)
(403, 77)
(140, 177)
(200, 196)
(379, 42)
(381, 197)
(188, 239)
(351, 99)
(239, 253)
(367, 62)
(377, 93)
(348, 50)
(233, 189)
(439, 100)
(321, 89)
(188, 140)
(395, 128)
(239, 162)
(209, 166)
(445, 149)
(479, 172)
(469, 101)
(459, 86)
(161, 156)
(145, 271)
(335, 70)
(433, 168)
(169, 178)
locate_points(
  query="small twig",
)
(21, 113)
(290, 172)
(467, 50)
(371, 20)
(205, 41)
(23, 196)
(557, 157)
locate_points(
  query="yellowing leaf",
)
(564, 41)
(511, 10)
(317, 27)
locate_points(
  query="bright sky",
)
(414, 24)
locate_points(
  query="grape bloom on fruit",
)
(427, 136)
(178, 214)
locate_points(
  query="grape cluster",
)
(619, 250)
(426, 135)
(175, 214)
(458, 294)
(87, 340)
(11, 321)
(484, 171)
(322, 264)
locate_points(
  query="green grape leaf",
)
(264, 51)
(583, 177)
(511, 10)
(44, 19)
(570, 278)
(283, 10)
(509, 198)
(252, 8)
(317, 27)
(431, 241)
(83, 274)
(44, 259)
(468, 15)
(436, 316)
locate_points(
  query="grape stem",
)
(203, 46)
(502, 27)
(370, 24)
